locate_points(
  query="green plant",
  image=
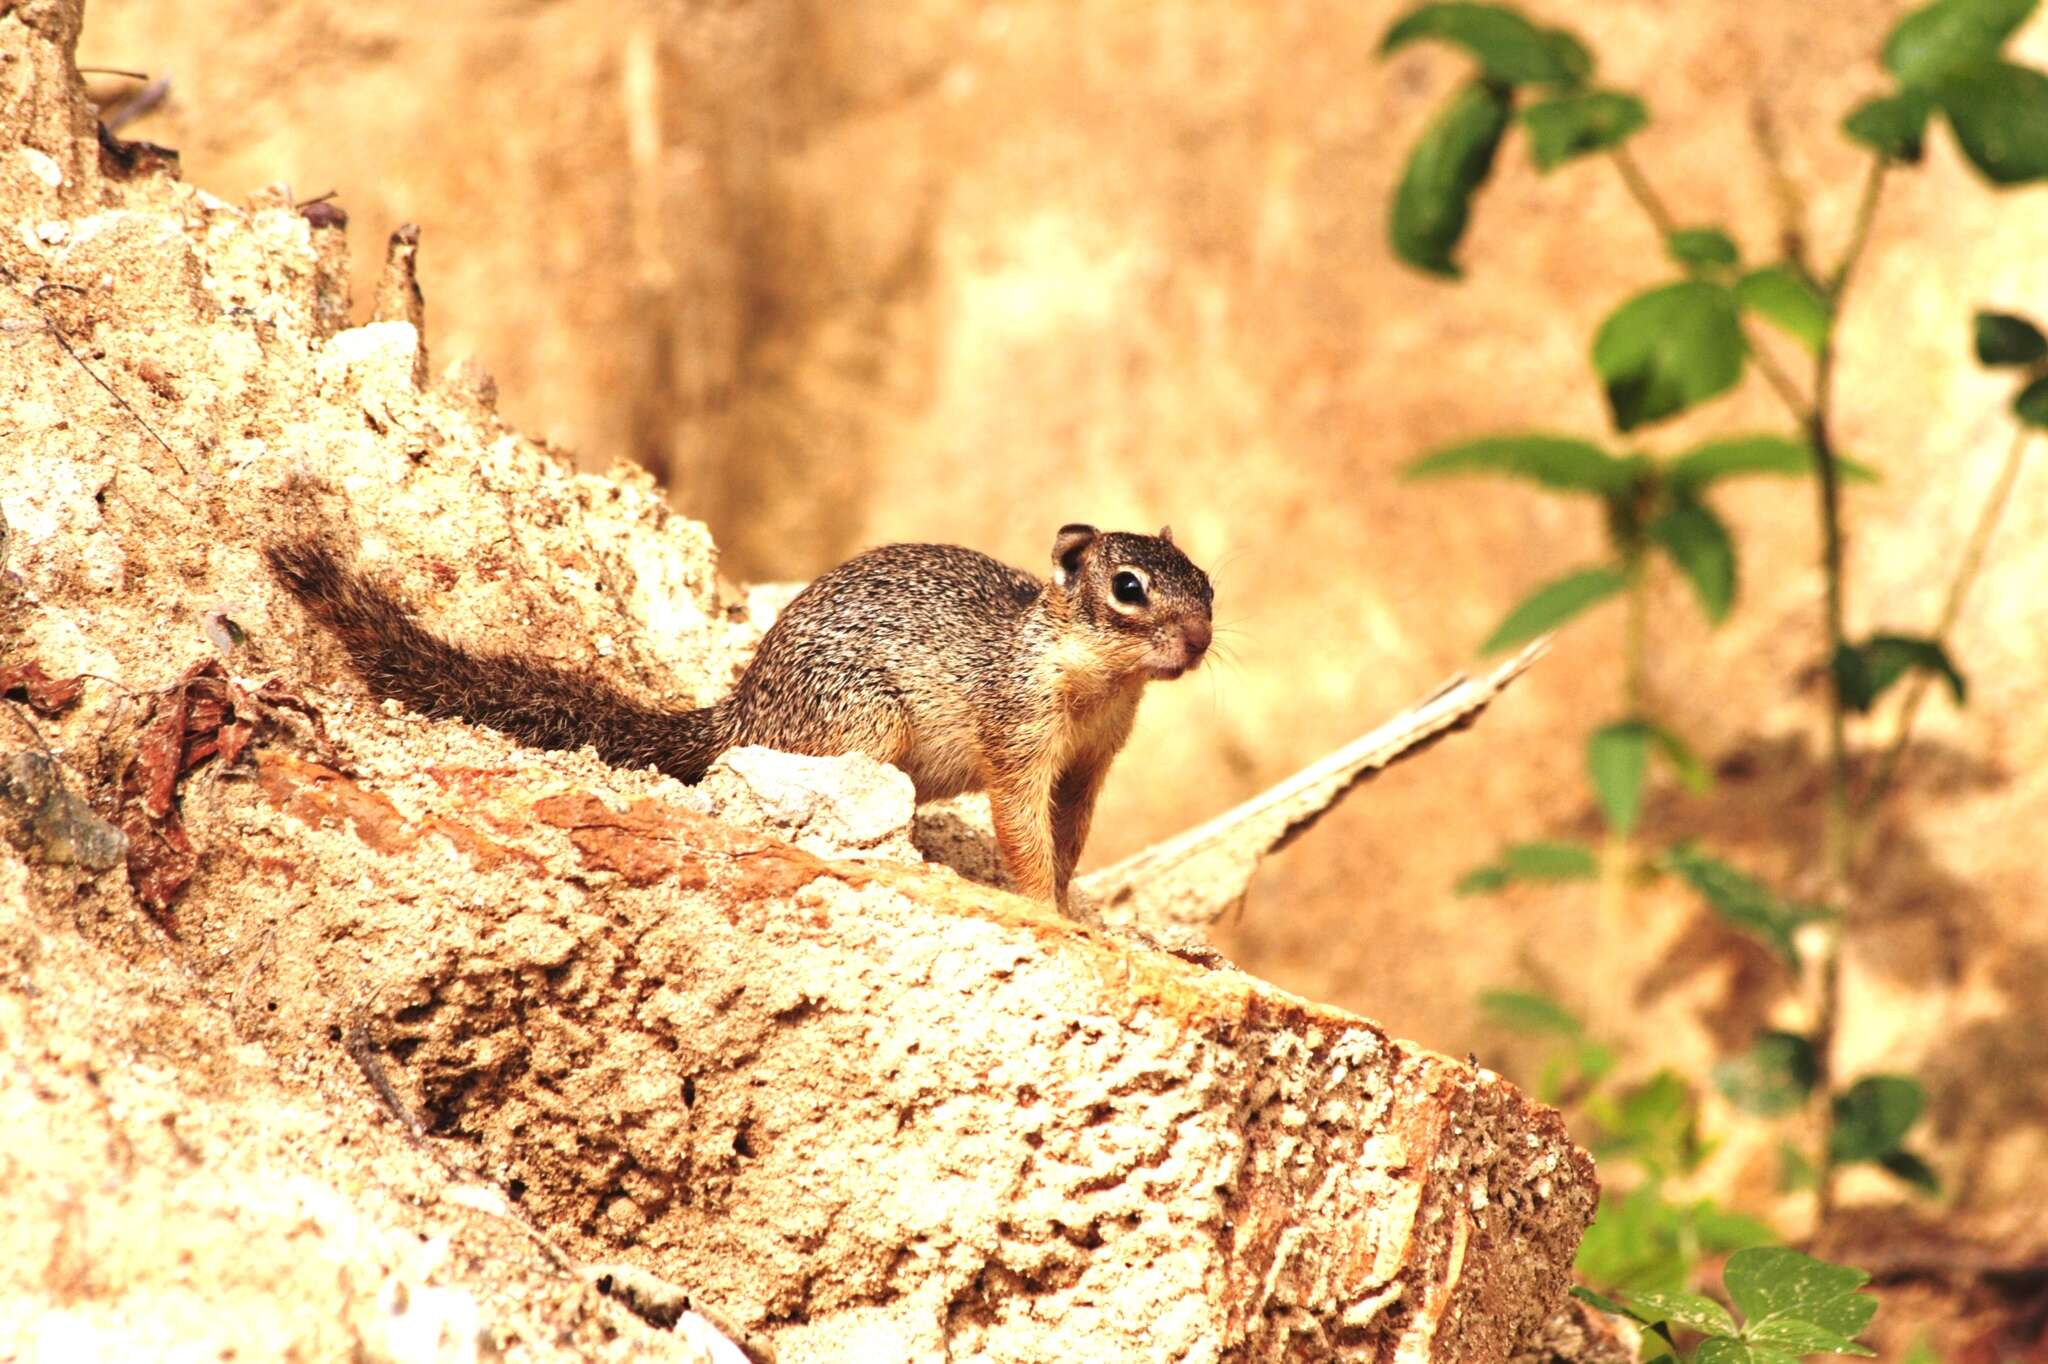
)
(1646, 1136)
(1792, 1306)
(1664, 352)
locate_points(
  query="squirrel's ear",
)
(1166, 534)
(1067, 550)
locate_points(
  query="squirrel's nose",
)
(1197, 633)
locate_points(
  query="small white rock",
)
(43, 166)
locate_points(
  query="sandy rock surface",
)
(177, 1191)
(865, 271)
(335, 1030)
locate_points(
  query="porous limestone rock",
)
(853, 1107)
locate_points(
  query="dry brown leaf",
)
(204, 714)
(46, 695)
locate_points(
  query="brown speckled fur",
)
(964, 672)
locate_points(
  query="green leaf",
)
(1718, 459)
(1937, 39)
(1526, 1012)
(2006, 339)
(1554, 461)
(1864, 672)
(1800, 1338)
(1636, 1244)
(1573, 1068)
(2030, 405)
(1772, 1284)
(1531, 862)
(1551, 861)
(1743, 901)
(1573, 125)
(1604, 1303)
(1482, 880)
(1718, 1231)
(1795, 1171)
(1571, 56)
(1772, 1078)
(2000, 114)
(1703, 550)
(1616, 757)
(1692, 774)
(1722, 1350)
(1909, 1168)
(1553, 604)
(1508, 46)
(1873, 1116)
(1689, 1311)
(1451, 160)
(1894, 126)
(1655, 1123)
(1699, 248)
(1669, 349)
(1778, 294)
(1643, 1243)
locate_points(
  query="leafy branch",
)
(1792, 1305)
(1672, 348)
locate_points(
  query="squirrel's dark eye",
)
(1127, 589)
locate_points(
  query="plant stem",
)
(1837, 830)
(1967, 569)
(1859, 231)
(1617, 865)
(1791, 208)
(1636, 645)
(1774, 373)
(1836, 848)
(1835, 865)
(1639, 188)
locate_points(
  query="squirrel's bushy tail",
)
(544, 706)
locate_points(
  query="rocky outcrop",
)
(341, 1028)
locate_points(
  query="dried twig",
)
(137, 104)
(56, 333)
(356, 1042)
(1967, 568)
(1195, 877)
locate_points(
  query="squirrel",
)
(962, 671)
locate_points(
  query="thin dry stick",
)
(56, 333)
(138, 104)
(1967, 569)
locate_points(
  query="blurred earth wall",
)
(854, 272)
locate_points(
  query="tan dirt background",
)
(862, 271)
